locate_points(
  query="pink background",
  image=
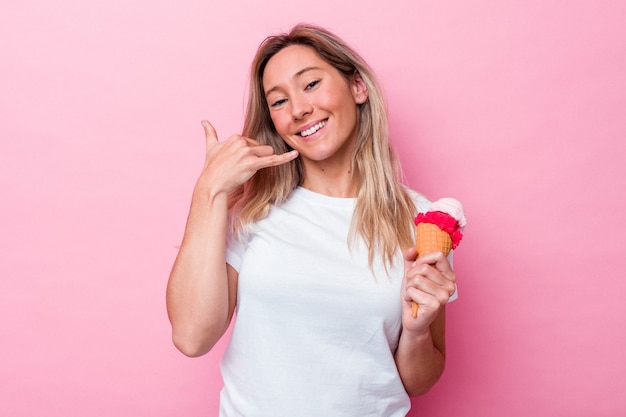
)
(516, 108)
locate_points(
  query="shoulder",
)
(422, 203)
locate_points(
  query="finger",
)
(209, 133)
(431, 258)
(418, 296)
(443, 264)
(432, 282)
(429, 286)
(275, 160)
(428, 294)
(427, 307)
(429, 272)
(410, 255)
(261, 150)
(437, 260)
(254, 142)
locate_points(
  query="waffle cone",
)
(430, 238)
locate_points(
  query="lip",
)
(310, 125)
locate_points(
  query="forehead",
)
(289, 62)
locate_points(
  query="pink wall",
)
(516, 108)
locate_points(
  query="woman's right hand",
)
(202, 289)
(230, 163)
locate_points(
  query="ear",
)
(359, 88)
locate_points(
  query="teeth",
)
(313, 129)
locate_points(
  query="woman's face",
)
(313, 107)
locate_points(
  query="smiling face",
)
(312, 105)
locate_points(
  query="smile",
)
(313, 129)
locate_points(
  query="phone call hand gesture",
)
(230, 163)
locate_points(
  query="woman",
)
(299, 224)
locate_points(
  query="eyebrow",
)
(296, 75)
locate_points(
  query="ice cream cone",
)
(430, 238)
(439, 229)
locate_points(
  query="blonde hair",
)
(384, 211)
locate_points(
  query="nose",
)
(300, 107)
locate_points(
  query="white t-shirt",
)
(315, 332)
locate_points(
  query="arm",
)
(200, 295)
(420, 356)
(202, 288)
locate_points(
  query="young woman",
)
(299, 225)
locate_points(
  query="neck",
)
(340, 183)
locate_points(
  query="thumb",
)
(410, 255)
(209, 133)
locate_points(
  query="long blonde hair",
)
(384, 211)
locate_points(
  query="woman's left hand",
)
(430, 281)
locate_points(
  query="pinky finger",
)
(275, 160)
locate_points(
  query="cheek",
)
(280, 121)
(328, 99)
(338, 100)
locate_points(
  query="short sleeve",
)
(456, 290)
(235, 248)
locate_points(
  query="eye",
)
(277, 103)
(312, 84)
